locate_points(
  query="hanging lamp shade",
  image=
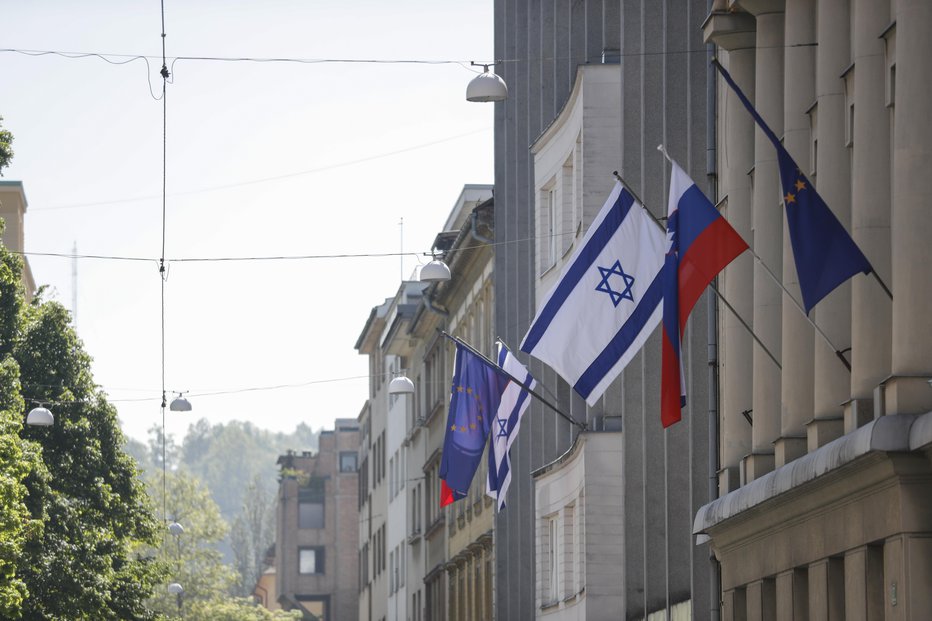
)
(435, 271)
(40, 417)
(486, 87)
(180, 404)
(401, 385)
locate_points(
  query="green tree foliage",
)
(236, 609)
(17, 457)
(6, 147)
(73, 514)
(89, 561)
(192, 557)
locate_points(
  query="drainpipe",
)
(475, 231)
(429, 302)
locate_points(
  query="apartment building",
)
(316, 561)
(437, 561)
(13, 206)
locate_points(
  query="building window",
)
(310, 515)
(311, 504)
(348, 461)
(310, 561)
(548, 227)
(552, 558)
(570, 547)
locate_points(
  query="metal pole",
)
(517, 381)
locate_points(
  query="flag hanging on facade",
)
(505, 425)
(824, 252)
(474, 400)
(607, 301)
(701, 244)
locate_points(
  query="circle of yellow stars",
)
(472, 426)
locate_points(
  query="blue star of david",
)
(502, 427)
(606, 287)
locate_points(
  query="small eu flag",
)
(474, 399)
(824, 252)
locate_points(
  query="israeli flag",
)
(607, 302)
(515, 400)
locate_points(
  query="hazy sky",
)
(354, 147)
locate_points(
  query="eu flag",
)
(824, 253)
(474, 399)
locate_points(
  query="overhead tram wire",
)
(108, 57)
(269, 179)
(297, 257)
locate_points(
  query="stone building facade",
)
(825, 507)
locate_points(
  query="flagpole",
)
(773, 277)
(777, 143)
(520, 383)
(713, 287)
(542, 385)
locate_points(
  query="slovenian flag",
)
(700, 244)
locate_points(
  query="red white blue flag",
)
(700, 244)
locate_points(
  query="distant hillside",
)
(226, 457)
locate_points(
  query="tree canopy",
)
(17, 456)
(6, 147)
(74, 517)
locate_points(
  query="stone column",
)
(906, 578)
(797, 389)
(833, 181)
(734, 34)
(827, 590)
(792, 595)
(870, 213)
(762, 600)
(767, 225)
(864, 584)
(908, 392)
(734, 605)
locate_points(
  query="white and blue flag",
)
(515, 400)
(607, 302)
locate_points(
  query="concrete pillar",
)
(832, 178)
(907, 574)
(827, 590)
(736, 375)
(734, 605)
(767, 225)
(734, 33)
(762, 600)
(871, 309)
(793, 595)
(911, 244)
(797, 388)
(864, 584)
